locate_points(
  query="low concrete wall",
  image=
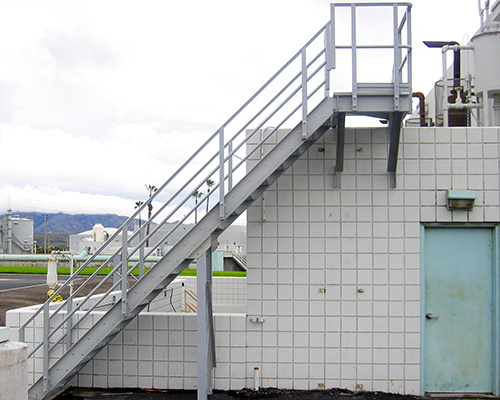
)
(158, 348)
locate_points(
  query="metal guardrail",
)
(283, 101)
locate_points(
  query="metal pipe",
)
(465, 105)
(256, 378)
(421, 99)
(64, 257)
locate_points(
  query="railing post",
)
(46, 347)
(328, 50)
(354, 59)
(124, 269)
(69, 325)
(330, 55)
(21, 333)
(230, 167)
(141, 253)
(409, 60)
(304, 94)
(69, 303)
(397, 56)
(222, 210)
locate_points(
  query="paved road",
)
(15, 281)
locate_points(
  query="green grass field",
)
(105, 271)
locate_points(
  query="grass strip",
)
(105, 271)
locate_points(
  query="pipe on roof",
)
(421, 99)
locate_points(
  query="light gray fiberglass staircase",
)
(244, 157)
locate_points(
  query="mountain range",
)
(70, 223)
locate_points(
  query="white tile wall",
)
(350, 257)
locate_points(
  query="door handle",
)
(430, 316)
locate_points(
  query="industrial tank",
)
(98, 233)
(487, 62)
(486, 44)
(16, 234)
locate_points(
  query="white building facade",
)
(337, 274)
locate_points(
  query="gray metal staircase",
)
(299, 96)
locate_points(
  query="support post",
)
(206, 339)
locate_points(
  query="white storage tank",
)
(99, 233)
(16, 234)
(486, 45)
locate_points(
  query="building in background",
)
(16, 234)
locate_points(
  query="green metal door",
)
(458, 326)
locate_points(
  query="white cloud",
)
(119, 163)
(51, 199)
(98, 98)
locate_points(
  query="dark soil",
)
(245, 394)
(29, 296)
(23, 297)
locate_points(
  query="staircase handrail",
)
(286, 98)
(228, 149)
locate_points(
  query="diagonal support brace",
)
(395, 120)
(339, 159)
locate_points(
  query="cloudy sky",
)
(99, 98)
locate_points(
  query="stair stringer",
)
(192, 246)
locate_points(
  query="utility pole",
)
(45, 238)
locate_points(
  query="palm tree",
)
(196, 196)
(138, 204)
(151, 189)
(209, 184)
